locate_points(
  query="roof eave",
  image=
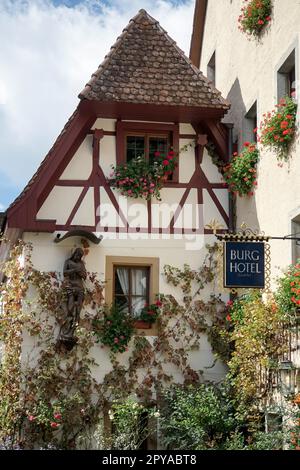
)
(198, 32)
(154, 112)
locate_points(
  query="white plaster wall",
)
(246, 70)
(59, 204)
(105, 124)
(107, 156)
(185, 128)
(210, 170)
(85, 214)
(49, 256)
(80, 166)
(186, 159)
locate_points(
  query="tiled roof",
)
(146, 66)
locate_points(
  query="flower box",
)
(143, 178)
(141, 325)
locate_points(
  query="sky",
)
(48, 51)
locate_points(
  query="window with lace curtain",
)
(131, 288)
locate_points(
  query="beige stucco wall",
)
(246, 70)
(49, 256)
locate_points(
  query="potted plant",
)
(113, 328)
(143, 178)
(255, 15)
(240, 173)
(148, 315)
(278, 128)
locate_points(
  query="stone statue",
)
(74, 276)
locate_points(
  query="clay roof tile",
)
(145, 50)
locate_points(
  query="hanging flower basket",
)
(278, 128)
(240, 173)
(142, 178)
(255, 14)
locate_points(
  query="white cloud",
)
(47, 55)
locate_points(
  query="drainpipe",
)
(232, 205)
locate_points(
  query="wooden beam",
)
(198, 32)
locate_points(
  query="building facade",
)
(146, 99)
(254, 73)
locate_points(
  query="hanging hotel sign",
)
(244, 261)
(244, 265)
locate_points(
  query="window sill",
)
(145, 328)
(142, 325)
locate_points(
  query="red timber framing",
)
(23, 212)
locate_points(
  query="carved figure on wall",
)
(74, 276)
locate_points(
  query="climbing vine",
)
(58, 399)
(50, 397)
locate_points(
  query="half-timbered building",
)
(145, 97)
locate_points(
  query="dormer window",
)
(147, 145)
(138, 139)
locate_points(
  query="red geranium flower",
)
(284, 124)
(165, 162)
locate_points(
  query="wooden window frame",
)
(284, 84)
(130, 267)
(125, 128)
(152, 263)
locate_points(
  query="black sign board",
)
(244, 264)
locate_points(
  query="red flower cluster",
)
(151, 312)
(143, 178)
(294, 277)
(255, 14)
(278, 127)
(53, 424)
(240, 173)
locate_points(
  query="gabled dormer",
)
(145, 96)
